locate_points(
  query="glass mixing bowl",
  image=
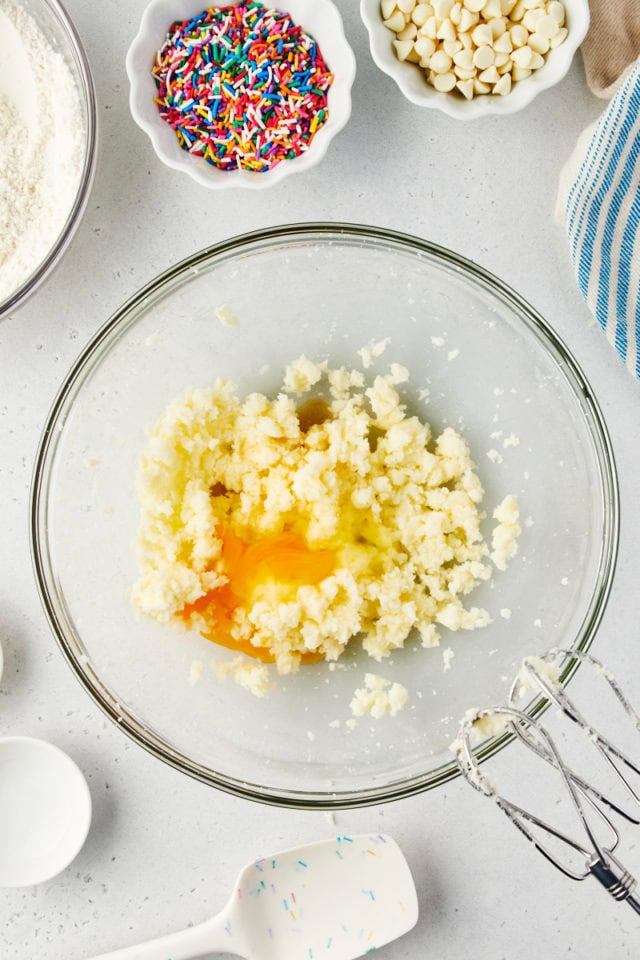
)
(56, 25)
(480, 358)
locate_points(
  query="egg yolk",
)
(283, 559)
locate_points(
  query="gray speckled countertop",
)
(163, 850)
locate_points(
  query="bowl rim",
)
(479, 107)
(45, 457)
(87, 178)
(141, 87)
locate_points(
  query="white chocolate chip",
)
(491, 9)
(424, 47)
(501, 59)
(480, 87)
(503, 86)
(532, 18)
(440, 62)
(490, 75)
(507, 6)
(466, 88)
(482, 35)
(483, 57)
(519, 35)
(468, 20)
(504, 67)
(463, 74)
(442, 8)
(559, 38)
(406, 5)
(451, 47)
(475, 6)
(498, 27)
(421, 13)
(456, 14)
(447, 31)
(430, 28)
(503, 44)
(403, 48)
(464, 59)
(556, 10)
(520, 73)
(547, 27)
(410, 32)
(517, 11)
(538, 44)
(395, 22)
(387, 7)
(536, 62)
(444, 82)
(522, 56)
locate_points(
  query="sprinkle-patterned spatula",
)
(333, 900)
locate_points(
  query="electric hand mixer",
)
(588, 801)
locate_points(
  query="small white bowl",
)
(319, 18)
(45, 811)
(413, 82)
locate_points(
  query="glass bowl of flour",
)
(48, 142)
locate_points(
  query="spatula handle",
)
(200, 941)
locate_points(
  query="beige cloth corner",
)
(612, 45)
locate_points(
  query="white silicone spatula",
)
(337, 899)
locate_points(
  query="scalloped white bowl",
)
(320, 18)
(413, 83)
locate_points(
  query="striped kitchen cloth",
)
(599, 204)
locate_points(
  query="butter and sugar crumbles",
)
(399, 508)
(250, 674)
(378, 697)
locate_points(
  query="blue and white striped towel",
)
(599, 203)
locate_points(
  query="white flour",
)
(41, 146)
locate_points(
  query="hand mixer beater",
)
(591, 804)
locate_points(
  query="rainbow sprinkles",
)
(242, 86)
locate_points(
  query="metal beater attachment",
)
(541, 675)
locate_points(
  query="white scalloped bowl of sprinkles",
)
(466, 80)
(321, 24)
